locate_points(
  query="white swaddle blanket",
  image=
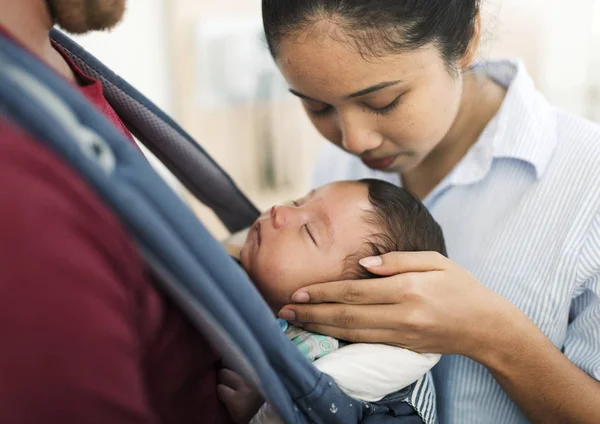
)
(367, 372)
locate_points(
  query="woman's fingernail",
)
(287, 314)
(300, 297)
(371, 261)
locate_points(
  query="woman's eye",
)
(322, 112)
(317, 108)
(327, 109)
(310, 234)
(385, 109)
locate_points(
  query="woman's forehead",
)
(333, 68)
(322, 56)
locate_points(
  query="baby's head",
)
(322, 236)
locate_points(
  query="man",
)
(85, 336)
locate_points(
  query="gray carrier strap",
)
(196, 170)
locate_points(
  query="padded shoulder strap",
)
(184, 157)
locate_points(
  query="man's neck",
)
(30, 23)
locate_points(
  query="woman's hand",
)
(425, 303)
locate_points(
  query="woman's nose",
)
(357, 139)
(359, 143)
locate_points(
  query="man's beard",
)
(81, 16)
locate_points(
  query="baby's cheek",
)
(275, 281)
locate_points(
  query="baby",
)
(321, 237)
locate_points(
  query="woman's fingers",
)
(401, 262)
(376, 291)
(355, 335)
(401, 268)
(341, 316)
(351, 292)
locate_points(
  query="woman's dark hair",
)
(400, 222)
(378, 27)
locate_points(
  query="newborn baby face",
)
(307, 242)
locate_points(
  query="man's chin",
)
(83, 16)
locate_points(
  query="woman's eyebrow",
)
(359, 93)
(374, 88)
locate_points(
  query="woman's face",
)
(391, 111)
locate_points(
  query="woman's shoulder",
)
(584, 133)
(530, 127)
(578, 143)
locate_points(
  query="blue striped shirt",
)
(521, 212)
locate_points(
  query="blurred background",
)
(205, 63)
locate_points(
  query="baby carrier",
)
(191, 266)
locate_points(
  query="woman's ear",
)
(471, 52)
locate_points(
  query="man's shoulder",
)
(43, 199)
(67, 271)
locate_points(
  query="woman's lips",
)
(380, 163)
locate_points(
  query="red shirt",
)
(84, 335)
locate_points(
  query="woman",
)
(512, 181)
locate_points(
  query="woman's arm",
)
(547, 387)
(429, 304)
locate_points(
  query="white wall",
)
(558, 40)
(234, 134)
(137, 50)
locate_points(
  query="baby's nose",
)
(280, 216)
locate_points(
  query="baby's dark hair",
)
(401, 223)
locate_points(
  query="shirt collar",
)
(523, 129)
